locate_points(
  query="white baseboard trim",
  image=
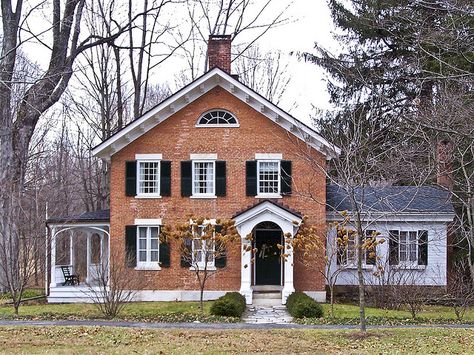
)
(318, 296)
(176, 295)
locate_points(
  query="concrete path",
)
(267, 315)
(216, 326)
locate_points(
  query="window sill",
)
(203, 196)
(147, 196)
(269, 196)
(148, 268)
(364, 267)
(409, 267)
(201, 267)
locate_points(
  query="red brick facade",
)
(177, 138)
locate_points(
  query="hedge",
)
(300, 305)
(232, 304)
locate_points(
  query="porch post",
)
(246, 265)
(88, 256)
(53, 258)
(71, 250)
(288, 287)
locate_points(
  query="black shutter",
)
(251, 173)
(393, 245)
(165, 178)
(186, 252)
(164, 254)
(186, 178)
(131, 246)
(221, 261)
(370, 259)
(220, 178)
(130, 178)
(422, 247)
(285, 177)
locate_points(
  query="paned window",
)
(203, 178)
(148, 245)
(268, 177)
(217, 118)
(148, 178)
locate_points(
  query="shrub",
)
(232, 304)
(300, 305)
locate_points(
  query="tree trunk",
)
(331, 291)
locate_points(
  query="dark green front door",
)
(267, 257)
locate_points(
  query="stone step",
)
(267, 295)
(267, 302)
(274, 288)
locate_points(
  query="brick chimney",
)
(445, 167)
(218, 52)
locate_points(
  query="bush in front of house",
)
(300, 305)
(232, 304)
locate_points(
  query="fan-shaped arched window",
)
(217, 118)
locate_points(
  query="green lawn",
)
(88, 340)
(344, 311)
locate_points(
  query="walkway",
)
(216, 326)
(267, 315)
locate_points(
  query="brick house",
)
(214, 148)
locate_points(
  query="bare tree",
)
(203, 245)
(460, 289)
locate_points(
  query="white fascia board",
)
(198, 88)
(270, 207)
(397, 217)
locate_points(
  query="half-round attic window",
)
(217, 118)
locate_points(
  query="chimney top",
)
(219, 52)
(445, 168)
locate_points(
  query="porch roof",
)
(95, 216)
(274, 202)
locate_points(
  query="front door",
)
(267, 257)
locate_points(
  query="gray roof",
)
(396, 199)
(96, 216)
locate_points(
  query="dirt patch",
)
(363, 335)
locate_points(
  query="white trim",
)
(271, 156)
(213, 78)
(318, 296)
(269, 195)
(217, 125)
(176, 295)
(148, 264)
(155, 222)
(193, 175)
(199, 156)
(264, 196)
(148, 156)
(436, 217)
(158, 181)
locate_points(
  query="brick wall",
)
(176, 138)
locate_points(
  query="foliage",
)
(232, 304)
(460, 289)
(300, 305)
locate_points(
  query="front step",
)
(266, 298)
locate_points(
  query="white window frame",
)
(143, 194)
(193, 180)
(201, 264)
(351, 263)
(148, 264)
(269, 195)
(217, 125)
(407, 263)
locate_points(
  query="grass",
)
(88, 340)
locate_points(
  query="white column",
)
(246, 265)
(288, 287)
(88, 256)
(71, 250)
(53, 258)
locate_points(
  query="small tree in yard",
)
(113, 286)
(460, 288)
(338, 250)
(203, 246)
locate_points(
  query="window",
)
(148, 178)
(268, 177)
(347, 254)
(203, 178)
(408, 247)
(216, 118)
(203, 250)
(148, 245)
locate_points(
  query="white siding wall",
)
(434, 274)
